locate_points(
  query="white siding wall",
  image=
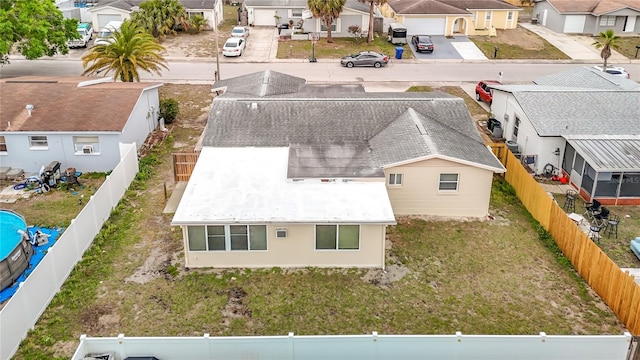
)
(419, 194)
(143, 119)
(296, 250)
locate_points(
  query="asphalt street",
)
(322, 71)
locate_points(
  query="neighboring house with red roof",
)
(451, 17)
(78, 121)
(589, 16)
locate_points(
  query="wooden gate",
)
(183, 164)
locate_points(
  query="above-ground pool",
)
(15, 249)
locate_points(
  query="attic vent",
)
(281, 233)
(254, 106)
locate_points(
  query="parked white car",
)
(105, 35)
(614, 70)
(234, 47)
(86, 34)
(240, 32)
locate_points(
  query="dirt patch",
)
(385, 278)
(100, 317)
(198, 45)
(235, 307)
(154, 266)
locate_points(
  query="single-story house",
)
(589, 16)
(591, 135)
(292, 174)
(451, 17)
(275, 12)
(119, 10)
(78, 121)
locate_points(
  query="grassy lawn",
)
(493, 277)
(517, 44)
(628, 46)
(300, 49)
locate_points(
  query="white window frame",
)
(509, 15)
(487, 16)
(607, 21)
(456, 182)
(3, 144)
(79, 142)
(337, 227)
(191, 14)
(41, 143)
(336, 23)
(227, 238)
(516, 127)
(395, 179)
(294, 15)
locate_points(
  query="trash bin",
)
(399, 51)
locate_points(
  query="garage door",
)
(425, 26)
(103, 19)
(264, 17)
(574, 23)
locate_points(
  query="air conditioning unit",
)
(281, 233)
(87, 149)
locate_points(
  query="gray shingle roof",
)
(267, 83)
(555, 112)
(588, 77)
(368, 130)
(290, 4)
(127, 5)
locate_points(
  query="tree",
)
(160, 17)
(608, 40)
(132, 48)
(34, 28)
(327, 11)
(372, 5)
(197, 23)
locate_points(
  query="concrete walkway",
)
(577, 47)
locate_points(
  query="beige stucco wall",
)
(498, 20)
(296, 250)
(419, 194)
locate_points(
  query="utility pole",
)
(216, 76)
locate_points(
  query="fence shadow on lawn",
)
(617, 288)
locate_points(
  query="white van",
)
(105, 35)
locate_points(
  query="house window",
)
(510, 15)
(38, 142)
(395, 179)
(3, 144)
(337, 237)
(295, 13)
(448, 182)
(86, 144)
(475, 17)
(488, 16)
(195, 13)
(335, 26)
(607, 20)
(227, 238)
(516, 126)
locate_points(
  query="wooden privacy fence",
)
(183, 164)
(617, 288)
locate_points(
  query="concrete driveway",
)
(457, 48)
(262, 44)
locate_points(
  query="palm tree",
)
(131, 49)
(372, 5)
(160, 17)
(608, 40)
(327, 11)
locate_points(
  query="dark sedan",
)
(422, 43)
(365, 58)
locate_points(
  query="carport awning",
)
(609, 153)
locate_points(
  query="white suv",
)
(614, 70)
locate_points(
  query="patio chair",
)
(612, 226)
(570, 201)
(594, 232)
(601, 215)
(590, 208)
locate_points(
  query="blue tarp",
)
(40, 252)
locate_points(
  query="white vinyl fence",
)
(369, 347)
(23, 310)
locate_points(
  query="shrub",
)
(169, 110)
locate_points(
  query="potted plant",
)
(277, 17)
